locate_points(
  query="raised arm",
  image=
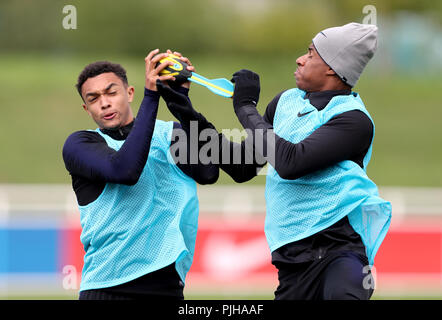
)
(343, 137)
(86, 154)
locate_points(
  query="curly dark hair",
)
(96, 68)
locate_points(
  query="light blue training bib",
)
(129, 231)
(299, 208)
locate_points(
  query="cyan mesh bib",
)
(129, 231)
(299, 208)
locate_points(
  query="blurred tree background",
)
(258, 27)
(40, 61)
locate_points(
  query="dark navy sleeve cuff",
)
(151, 93)
(148, 92)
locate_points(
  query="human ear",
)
(330, 72)
(86, 109)
(130, 93)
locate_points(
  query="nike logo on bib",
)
(303, 114)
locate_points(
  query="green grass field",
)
(40, 108)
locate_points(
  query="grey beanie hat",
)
(347, 49)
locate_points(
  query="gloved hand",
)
(181, 107)
(246, 90)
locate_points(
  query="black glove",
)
(181, 107)
(246, 88)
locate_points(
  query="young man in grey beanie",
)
(325, 220)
